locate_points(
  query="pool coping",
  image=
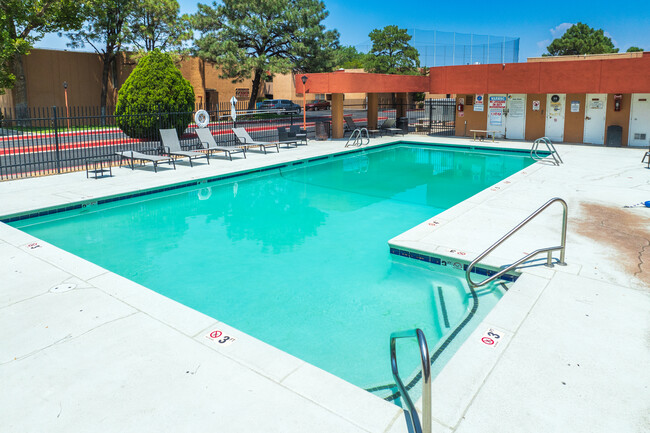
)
(376, 415)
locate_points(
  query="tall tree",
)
(391, 52)
(581, 39)
(105, 29)
(158, 24)
(258, 36)
(347, 57)
(24, 22)
(634, 49)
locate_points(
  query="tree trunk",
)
(256, 88)
(107, 59)
(20, 88)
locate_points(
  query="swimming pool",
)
(298, 256)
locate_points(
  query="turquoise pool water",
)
(298, 257)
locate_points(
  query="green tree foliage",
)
(391, 52)
(634, 49)
(154, 86)
(22, 23)
(581, 39)
(258, 36)
(105, 29)
(158, 24)
(347, 57)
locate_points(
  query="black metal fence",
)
(52, 140)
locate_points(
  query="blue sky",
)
(536, 23)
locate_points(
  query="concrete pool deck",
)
(111, 355)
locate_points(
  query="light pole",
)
(67, 111)
(304, 102)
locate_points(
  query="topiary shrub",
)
(154, 96)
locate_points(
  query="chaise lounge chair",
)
(172, 147)
(245, 140)
(351, 125)
(132, 156)
(389, 126)
(294, 132)
(210, 145)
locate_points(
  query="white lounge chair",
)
(172, 146)
(210, 145)
(132, 156)
(245, 140)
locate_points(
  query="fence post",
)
(55, 122)
(430, 116)
(291, 119)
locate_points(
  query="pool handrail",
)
(548, 250)
(425, 427)
(553, 153)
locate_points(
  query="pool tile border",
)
(447, 262)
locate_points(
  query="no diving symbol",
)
(215, 334)
(488, 341)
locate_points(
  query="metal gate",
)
(435, 117)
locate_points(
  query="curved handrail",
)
(357, 135)
(557, 159)
(548, 250)
(426, 379)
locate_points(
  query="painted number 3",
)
(493, 335)
(224, 339)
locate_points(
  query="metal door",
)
(640, 120)
(516, 116)
(496, 115)
(555, 106)
(595, 110)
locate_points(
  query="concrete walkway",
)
(82, 349)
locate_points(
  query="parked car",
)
(318, 105)
(284, 105)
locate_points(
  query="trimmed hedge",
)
(155, 86)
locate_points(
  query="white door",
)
(516, 116)
(496, 115)
(639, 135)
(555, 105)
(595, 110)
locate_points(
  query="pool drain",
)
(65, 287)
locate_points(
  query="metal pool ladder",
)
(548, 250)
(557, 160)
(425, 427)
(358, 138)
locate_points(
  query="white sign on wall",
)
(575, 106)
(536, 105)
(478, 103)
(496, 105)
(517, 106)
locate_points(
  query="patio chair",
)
(294, 132)
(351, 125)
(210, 145)
(245, 140)
(389, 126)
(172, 147)
(646, 156)
(132, 156)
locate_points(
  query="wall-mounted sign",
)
(242, 93)
(496, 105)
(516, 106)
(596, 104)
(478, 103)
(575, 106)
(536, 105)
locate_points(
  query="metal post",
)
(55, 123)
(453, 54)
(488, 53)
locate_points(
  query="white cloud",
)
(559, 30)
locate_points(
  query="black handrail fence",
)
(52, 140)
